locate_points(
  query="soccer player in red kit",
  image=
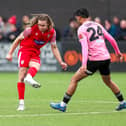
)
(33, 38)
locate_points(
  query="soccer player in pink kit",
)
(31, 40)
(95, 56)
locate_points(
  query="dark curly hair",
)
(82, 12)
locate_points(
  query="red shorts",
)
(24, 57)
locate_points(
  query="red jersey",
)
(36, 39)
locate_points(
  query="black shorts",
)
(102, 66)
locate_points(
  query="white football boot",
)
(29, 80)
(21, 106)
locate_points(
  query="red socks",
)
(21, 90)
(32, 71)
(21, 85)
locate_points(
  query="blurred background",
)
(15, 15)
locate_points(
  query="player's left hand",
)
(119, 57)
(63, 65)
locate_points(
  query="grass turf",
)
(93, 104)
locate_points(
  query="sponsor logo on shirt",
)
(38, 42)
(100, 41)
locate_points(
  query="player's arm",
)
(57, 55)
(16, 42)
(13, 47)
(56, 52)
(113, 43)
(84, 46)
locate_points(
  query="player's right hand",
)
(63, 65)
(82, 69)
(9, 57)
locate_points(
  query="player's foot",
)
(32, 82)
(21, 107)
(58, 106)
(121, 106)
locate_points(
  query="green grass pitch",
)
(93, 104)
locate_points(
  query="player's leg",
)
(70, 91)
(21, 87)
(23, 65)
(79, 75)
(115, 89)
(106, 77)
(74, 82)
(33, 69)
(107, 80)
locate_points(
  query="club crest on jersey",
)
(48, 35)
(22, 62)
(36, 34)
(80, 36)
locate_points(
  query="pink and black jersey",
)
(92, 38)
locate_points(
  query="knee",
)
(35, 65)
(22, 75)
(107, 82)
(74, 80)
(38, 68)
(21, 78)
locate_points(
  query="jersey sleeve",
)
(53, 40)
(84, 45)
(111, 40)
(27, 32)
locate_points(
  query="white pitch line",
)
(78, 101)
(58, 114)
(94, 101)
